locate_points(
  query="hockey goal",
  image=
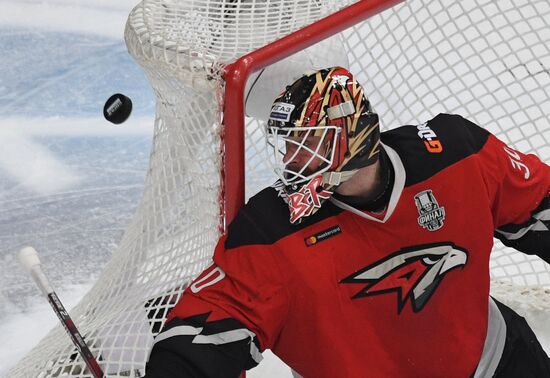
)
(487, 60)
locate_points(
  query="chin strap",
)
(336, 178)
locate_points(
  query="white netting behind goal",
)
(487, 60)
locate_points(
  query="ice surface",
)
(69, 180)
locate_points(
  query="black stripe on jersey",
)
(180, 356)
(196, 321)
(265, 220)
(523, 356)
(531, 237)
(459, 138)
(208, 328)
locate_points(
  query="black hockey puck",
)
(117, 109)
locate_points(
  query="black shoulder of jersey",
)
(431, 147)
(265, 220)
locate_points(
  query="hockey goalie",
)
(369, 257)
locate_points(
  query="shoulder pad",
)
(265, 220)
(430, 147)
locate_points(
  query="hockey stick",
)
(28, 257)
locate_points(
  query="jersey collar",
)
(398, 185)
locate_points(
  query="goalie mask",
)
(320, 131)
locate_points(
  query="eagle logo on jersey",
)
(413, 273)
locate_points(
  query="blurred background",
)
(69, 180)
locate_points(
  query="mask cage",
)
(279, 139)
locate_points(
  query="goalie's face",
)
(300, 153)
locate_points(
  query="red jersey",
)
(348, 293)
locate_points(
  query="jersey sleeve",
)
(230, 313)
(518, 185)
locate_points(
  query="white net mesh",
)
(486, 60)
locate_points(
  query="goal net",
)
(486, 60)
